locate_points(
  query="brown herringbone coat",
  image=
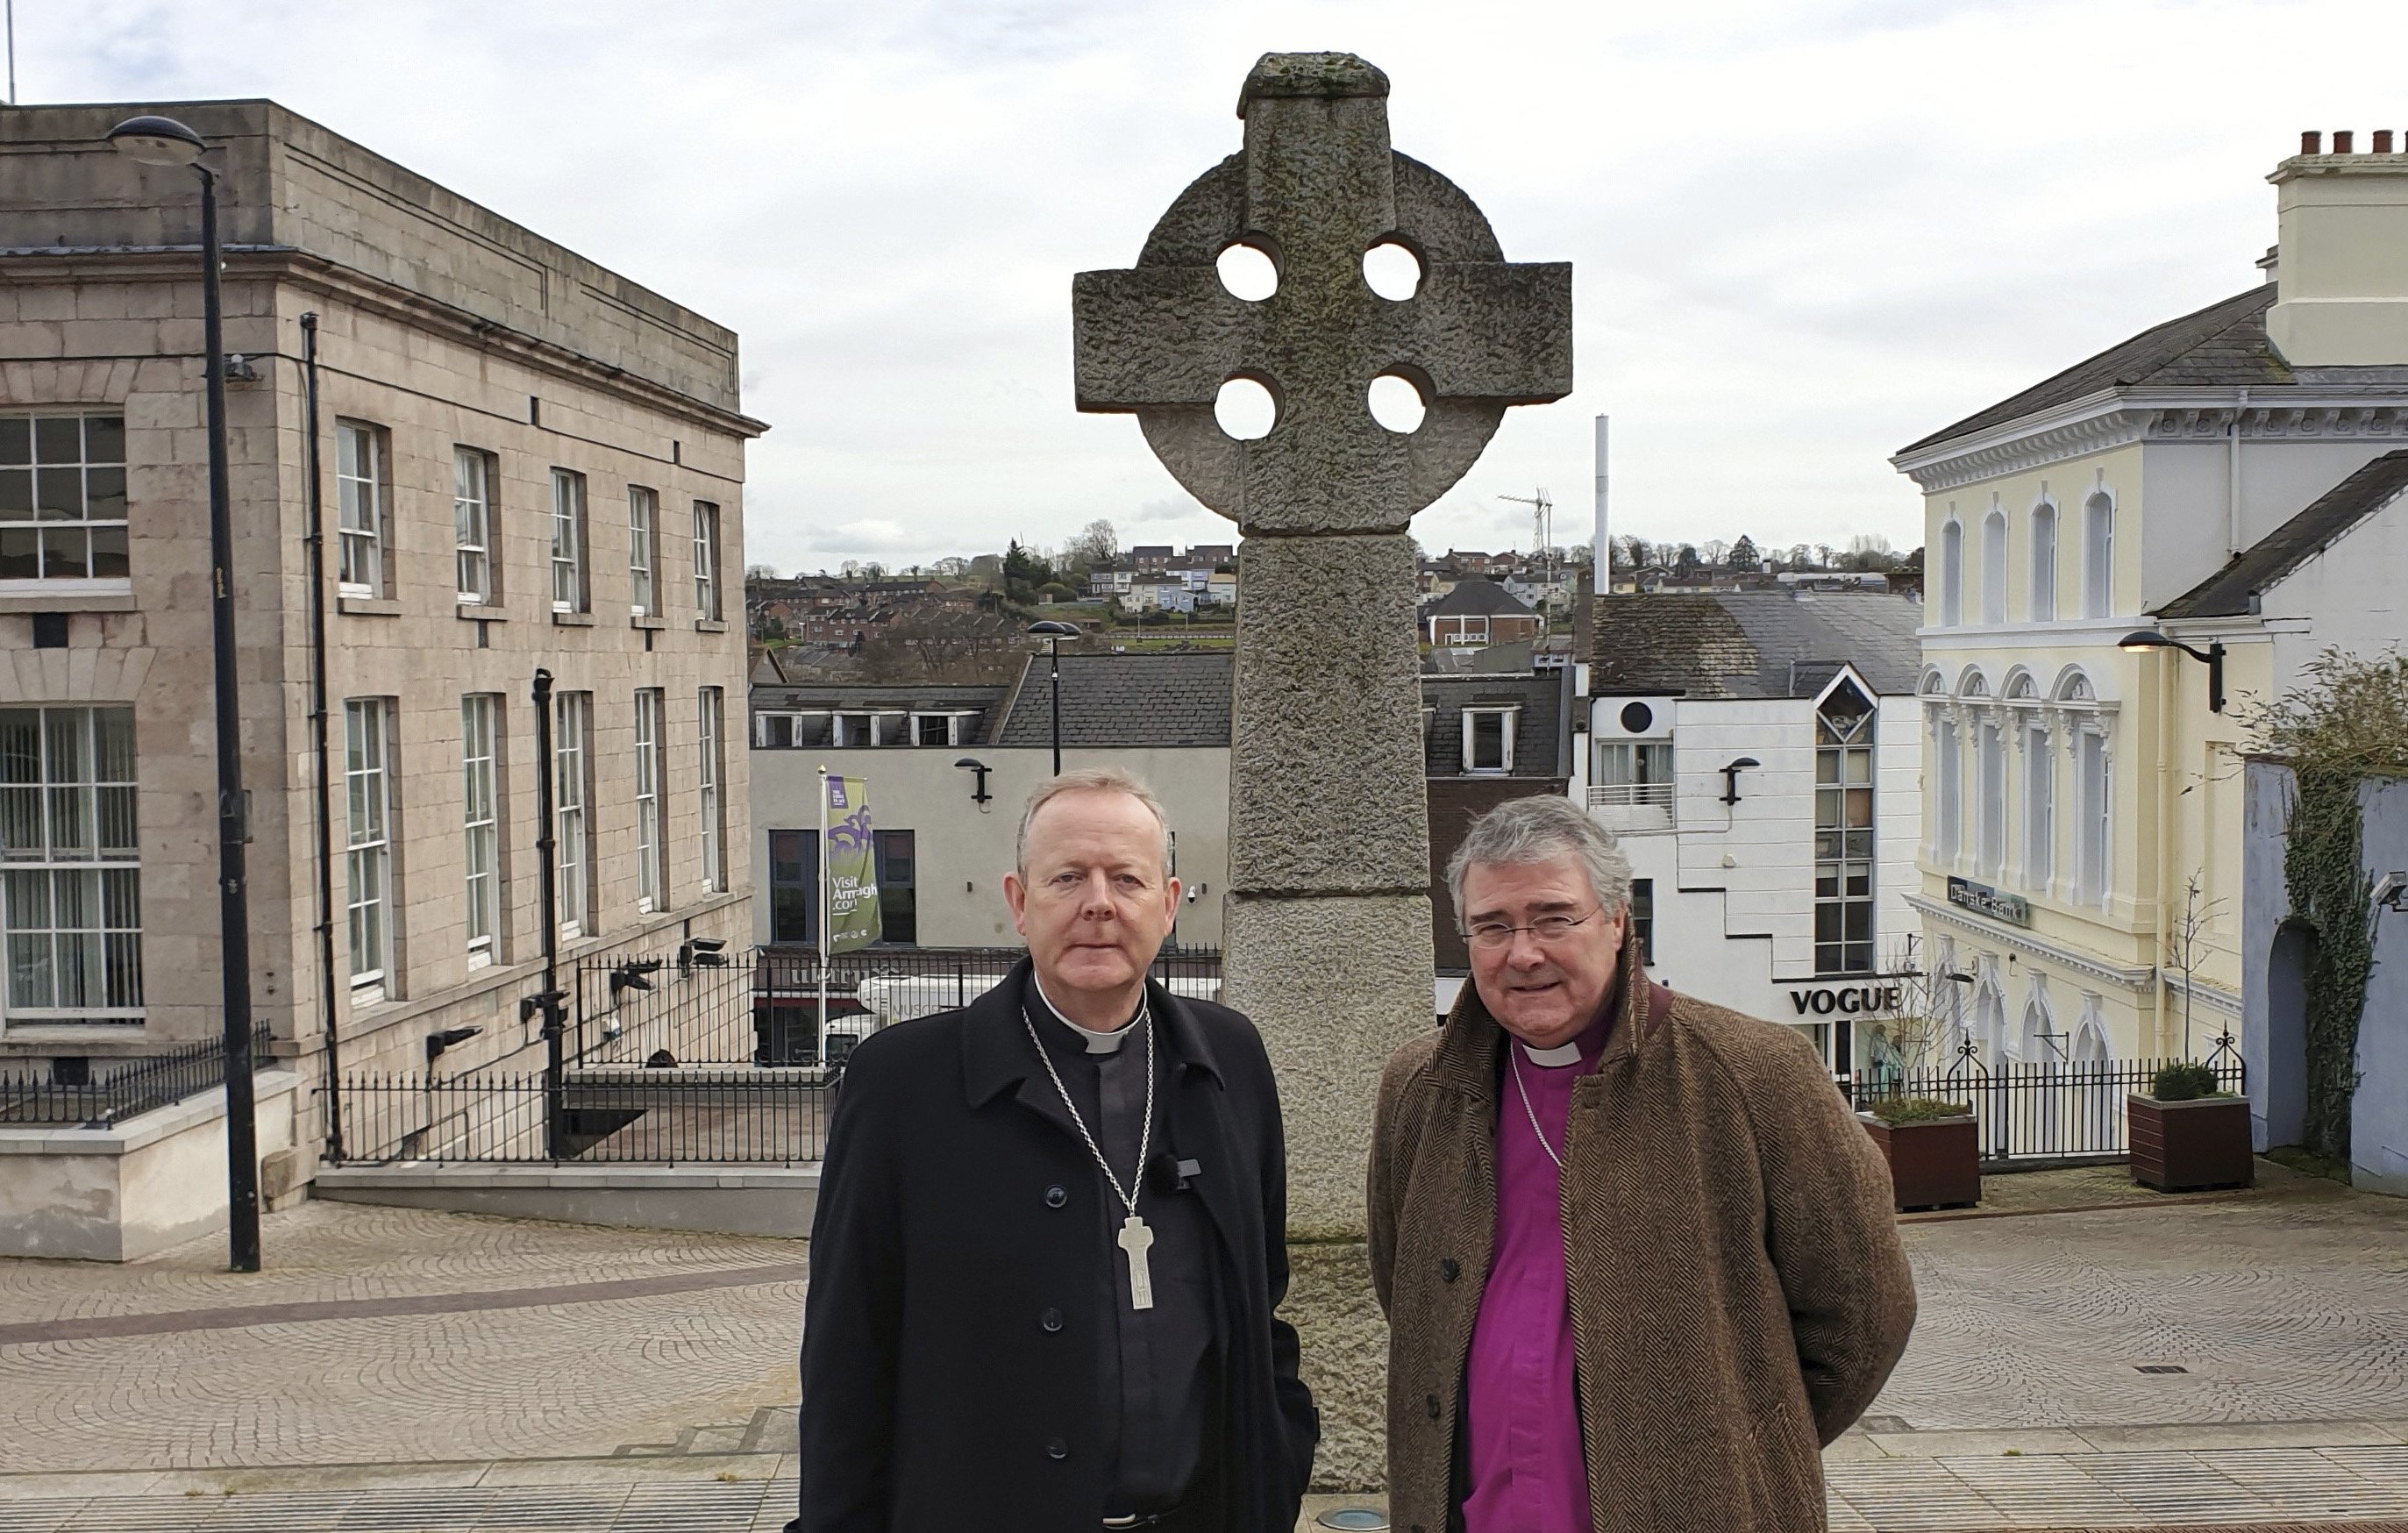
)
(1738, 1289)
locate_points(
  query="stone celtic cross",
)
(1316, 187)
(1327, 916)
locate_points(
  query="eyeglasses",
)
(1491, 935)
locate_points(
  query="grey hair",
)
(1091, 780)
(1538, 829)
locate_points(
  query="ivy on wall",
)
(2347, 723)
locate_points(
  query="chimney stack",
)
(2344, 237)
(2312, 142)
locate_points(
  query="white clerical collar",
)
(1097, 1043)
(1554, 1058)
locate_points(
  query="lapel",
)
(1199, 1123)
(998, 1057)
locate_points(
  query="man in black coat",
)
(1051, 1234)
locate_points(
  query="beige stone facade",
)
(442, 329)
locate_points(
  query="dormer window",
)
(1488, 740)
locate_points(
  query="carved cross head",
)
(1316, 187)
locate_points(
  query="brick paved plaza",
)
(396, 1369)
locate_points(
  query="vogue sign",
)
(1852, 1000)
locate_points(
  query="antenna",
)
(12, 53)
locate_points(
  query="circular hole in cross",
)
(1246, 410)
(1397, 403)
(1247, 272)
(1394, 271)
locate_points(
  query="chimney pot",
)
(2343, 140)
(2382, 140)
(2312, 142)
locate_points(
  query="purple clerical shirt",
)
(1529, 1474)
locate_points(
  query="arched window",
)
(2043, 563)
(1994, 566)
(1952, 574)
(1844, 832)
(1990, 794)
(2098, 556)
(1948, 769)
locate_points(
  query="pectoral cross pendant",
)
(1134, 1239)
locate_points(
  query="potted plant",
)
(2185, 1134)
(1930, 1141)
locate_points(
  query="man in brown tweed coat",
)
(1637, 1259)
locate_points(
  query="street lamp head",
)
(2143, 639)
(1054, 628)
(157, 141)
(1743, 764)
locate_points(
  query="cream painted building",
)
(525, 461)
(2195, 479)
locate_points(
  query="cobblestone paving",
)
(414, 1370)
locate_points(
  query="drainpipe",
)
(547, 1003)
(324, 810)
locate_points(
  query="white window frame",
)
(70, 879)
(1990, 795)
(367, 847)
(1510, 717)
(952, 723)
(2044, 562)
(572, 588)
(1952, 573)
(472, 526)
(1949, 769)
(1994, 567)
(359, 508)
(2040, 809)
(643, 552)
(481, 824)
(652, 773)
(705, 561)
(2099, 555)
(710, 815)
(31, 490)
(2094, 774)
(572, 799)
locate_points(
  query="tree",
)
(1024, 571)
(1684, 558)
(760, 572)
(1095, 542)
(1713, 551)
(1742, 555)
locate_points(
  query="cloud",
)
(1803, 232)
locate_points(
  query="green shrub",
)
(2183, 1081)
(1895, 1111)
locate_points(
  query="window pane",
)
(105, 494)
(104, 438)
(16, 441)
(16, 494)
(58, 438)
(20, 557)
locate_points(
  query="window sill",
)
(709, 625)
(645, 620)
(572, 620)
(368, 606)
(482, 611)
(66, 596)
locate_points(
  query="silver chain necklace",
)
(1134, 1237)
(1513, 1058)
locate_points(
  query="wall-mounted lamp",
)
(2392, 893)
(1195, 892)
(702, 952)
(630, 976)
(979, 794)
(1730, 777)
(437, 1043)
(2150, 638)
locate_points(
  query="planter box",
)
(2180, 1147)
(1932, 1164)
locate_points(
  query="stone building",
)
(524, 460)
(2218, 477)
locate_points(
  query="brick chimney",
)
(2344, 243)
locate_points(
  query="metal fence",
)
(2039, 1113)
(139, 1085)
(763, 1007)
(757, 1117)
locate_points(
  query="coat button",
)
(1449, 1268)
(1051, 1320)
(1056, 1197)
(1433, 1406)
(1056, 1448)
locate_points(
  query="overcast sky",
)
(1803, 234)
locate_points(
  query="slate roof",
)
(2233, 591)
(1476, 595)
(1752, 643)
(1538, 730)
(1125, 699)
(2221, 346)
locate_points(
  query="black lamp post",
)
(2150, 638)
(1054, 631)
(1730, 777)
(165, 141)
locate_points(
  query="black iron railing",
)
(120, 1089)
(739, 1117)
(2037, 1112)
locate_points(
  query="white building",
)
(1757, 751)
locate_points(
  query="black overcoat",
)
(952, 1341)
